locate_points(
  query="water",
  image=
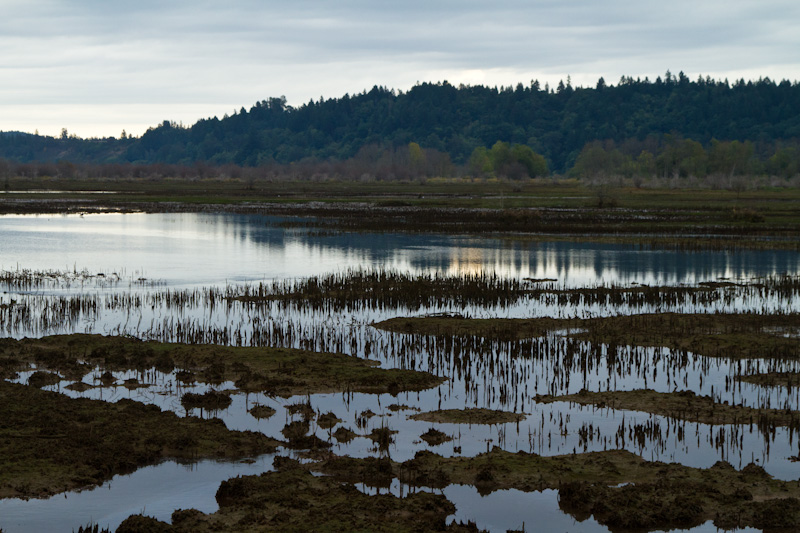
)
(155, 491)
(515, 510)
(190, 252)
(197, 249)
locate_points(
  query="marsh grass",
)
(292, 499)
(671, 217)
(683, 405)
(278, 371)
(618, 488)
(469, 416)
(50, 443)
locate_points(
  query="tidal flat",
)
(402, 369)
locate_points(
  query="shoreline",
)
(522, 225)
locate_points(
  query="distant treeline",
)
(440, 129)
(670, 161)
(674, 157)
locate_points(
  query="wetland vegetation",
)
(292, 499)
(531, 210)
(469, 416)
(275, 371)
(682, 405)
(619, 488)
(50, 443)
(734, 336)
(625, 395)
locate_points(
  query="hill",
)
(631, 117)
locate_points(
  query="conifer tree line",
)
(668, 128)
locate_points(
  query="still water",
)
(202, 249)
(149, 255)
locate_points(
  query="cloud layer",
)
(96, 67)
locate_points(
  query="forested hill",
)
(555, 122)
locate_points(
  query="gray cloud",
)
(189, 56)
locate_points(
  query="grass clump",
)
(41, 379)
(261, 412)
(434, 437)
(469, 416)
(210, 401)
(328, 420)
(344, 434)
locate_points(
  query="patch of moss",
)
(469, 416)
(677, 503)
(262, 411)
(620, 489)
(745, 335)
(683, 405)
(328, 420)
(41, 379)
(383, 437)
(133, 383)
(143, 524)
(184, 376)
(344, 434)
(278, 371)
(50, 443)
(773, 379)
(434, 437)
(79, 386)
(210, 400)
(294, 500)
(297, 435)
(303, 409)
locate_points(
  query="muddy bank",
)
(683, 503)
(649, 218)
(50, 443)
(469, 416)
(683, 405)
(620, 489)
(745, 335)
(773, 379)
(279, 371)
(292, 499)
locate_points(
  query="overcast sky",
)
(97, 67)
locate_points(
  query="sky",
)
(97, 67)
